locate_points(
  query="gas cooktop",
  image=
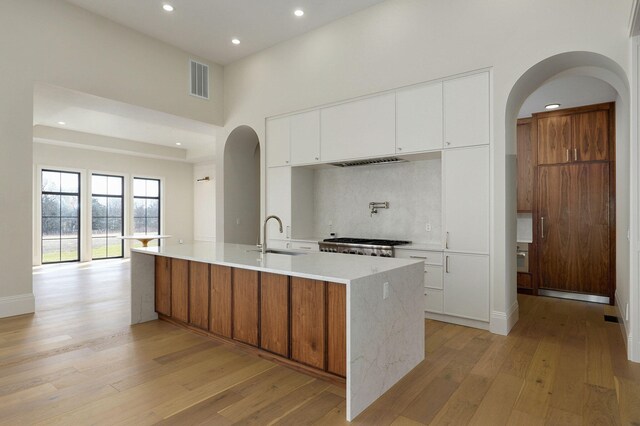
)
(362, 246)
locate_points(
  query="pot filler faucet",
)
(375, 205)
(264, 231)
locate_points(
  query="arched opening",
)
(553, 72)
(242, 187)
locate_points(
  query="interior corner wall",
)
(204, 202)
(57, 43)
(177, 201)
(402, 42)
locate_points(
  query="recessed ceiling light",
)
(178, 143)
(62, 123)
(167, 7)
(298, 12)
(552, 106)
(235, 41)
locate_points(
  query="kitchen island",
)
(352, 318)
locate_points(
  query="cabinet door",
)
(163, 285)
(419, 119)
(359, 129)
(220, 315)
(466, 199)
(337, 329)
(278, 139)
(199, 294)
(554, 139)
(591, 136)
(466, 111)
(525, 167)
(305, 138)
(245, 305)
(180, 289)
(274, 313)
(308, 322)
(279, 201)
(466, 286)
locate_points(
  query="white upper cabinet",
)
(305, 138)
(359, 129)
(278, 139)
(466, 111)
(466, 199)
(419, 119)
(279, 201)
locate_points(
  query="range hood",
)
(386, 160)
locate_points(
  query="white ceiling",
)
(206, 27)
(568, 91)
(86, 113)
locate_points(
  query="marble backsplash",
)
(413, 190)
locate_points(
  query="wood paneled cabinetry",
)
(163, 285)
(245, 306)
(574, 135)
(180, 289)
(274, 313)
(296, 319)
(199, 294)
(526, 165)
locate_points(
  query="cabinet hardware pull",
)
(317, 158)
(542, 226)
(567, 155)
(418, 257)
(575, 154)
(288, 232)
(446, 264)
(446, 241)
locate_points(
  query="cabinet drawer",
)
(433, 300)
(433, 276)
(429, 257)
(304, 245)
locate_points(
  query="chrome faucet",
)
(264, 231)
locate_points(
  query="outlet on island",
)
(427, 227)
(385, 291)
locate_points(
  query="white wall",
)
(176, 180)
(57, 43)
(204, 202)
(400, 42)
(414, 191)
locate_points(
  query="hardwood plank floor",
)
(78, 361)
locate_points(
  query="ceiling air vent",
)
(387, 160)
(199, 79)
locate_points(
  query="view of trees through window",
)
(146, 208)
(60, 216)
(107, 216)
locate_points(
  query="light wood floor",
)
(76, 361)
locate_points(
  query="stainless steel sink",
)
(284, 252)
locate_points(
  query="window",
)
(146, 208)
(107, 216)
(60, 238)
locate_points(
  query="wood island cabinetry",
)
(297, 321)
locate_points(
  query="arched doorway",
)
(596, 66)
(242, 187)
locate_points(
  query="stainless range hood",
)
(386, 160)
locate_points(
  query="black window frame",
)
(42, 217)
(159, 198)
(122, 216)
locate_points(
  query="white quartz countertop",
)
(340, 268)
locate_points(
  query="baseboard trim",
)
(457, 320)
(20, 304)
(501, 322)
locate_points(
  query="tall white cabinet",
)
(279, 201)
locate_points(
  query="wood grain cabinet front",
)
(337, 329)
(308, 322)
(274, 313)
(180, 289)
(220, 301)
(199, 294)
(163, 285)
(245, 306)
